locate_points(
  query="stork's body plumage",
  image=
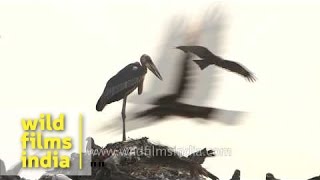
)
(122, 84)
(125, 82)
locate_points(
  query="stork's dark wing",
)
(200, 51)
(237, 68)
(122, 84)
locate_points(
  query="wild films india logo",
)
(34, 138)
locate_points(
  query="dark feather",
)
(237, 68)
(122, 84)
(211, 176)
(236, 175)
(270, 176)
(210, 58)
(182, 82)
(184, 78)
(202, 63)
(200, 51)
(178, 109)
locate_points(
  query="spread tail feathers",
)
(202, 63)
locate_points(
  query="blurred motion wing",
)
(200, 51)
(237, 68)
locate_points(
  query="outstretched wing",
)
(200, 51)
(237, 68)
(184, 77)
(182, 83)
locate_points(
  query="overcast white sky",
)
(56, 56)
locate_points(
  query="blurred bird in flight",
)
(208, 58)
(182, 76)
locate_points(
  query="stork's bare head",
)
(147, 62)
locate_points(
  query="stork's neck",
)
(143, 65)
(144, 68)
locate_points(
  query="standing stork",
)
(124, 83)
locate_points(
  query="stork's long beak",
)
(153, 69)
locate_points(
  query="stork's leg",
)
(123, 113)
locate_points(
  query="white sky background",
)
(56, 56)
